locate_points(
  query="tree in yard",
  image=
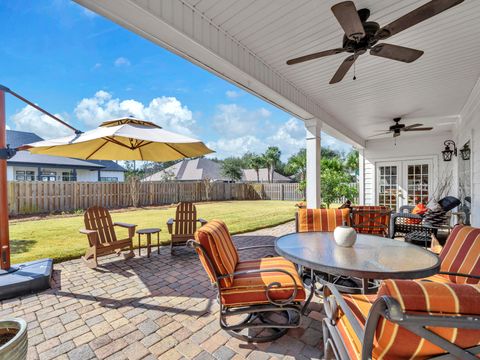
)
(232, 168)
(256, 162)
(272, 159)
(351, 163)
(297, 166)
(335, 181)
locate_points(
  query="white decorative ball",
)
(345, 236)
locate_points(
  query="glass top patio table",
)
(371, 257)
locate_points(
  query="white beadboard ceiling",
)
(431, 90)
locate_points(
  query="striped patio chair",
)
(258, 288)
(406, 320)
(374, 220)
(460, 257)
(308, 220)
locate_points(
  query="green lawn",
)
(58, 237)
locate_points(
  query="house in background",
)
(25, 166)
(203, 168)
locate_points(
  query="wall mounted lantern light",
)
(449, 152)
(465, 152)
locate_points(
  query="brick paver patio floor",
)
(147, 308)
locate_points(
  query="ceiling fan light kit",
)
(362, 35)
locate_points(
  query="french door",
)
(406, 182)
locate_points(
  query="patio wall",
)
(469, 129)
(35, 197)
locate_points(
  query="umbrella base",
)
(25, 278)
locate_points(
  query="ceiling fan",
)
(398, 128)
(362, 35)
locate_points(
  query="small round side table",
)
(149, 233)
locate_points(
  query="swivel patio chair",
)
(102, 239)
(460, 257)
(406, 320)
(373, 220)
(267, 292)
(182, 228)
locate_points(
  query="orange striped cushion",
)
(371, 219)
(249, 289)
(216, 240)
(461, 254)
(322, 219)
(395, 342)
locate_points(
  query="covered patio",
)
(248, 44)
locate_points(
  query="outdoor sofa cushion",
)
(395, 342)
(322, 219)
(250, 289)
(217, 242)
(374, 220)
(461, 254)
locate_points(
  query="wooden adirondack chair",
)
(185, 224)
(100, 231)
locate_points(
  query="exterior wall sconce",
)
(448, 152)
(465, 152)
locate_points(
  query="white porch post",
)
(314, 129)
(361, 177)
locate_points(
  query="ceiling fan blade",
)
(416, 16)
(420, 129)
(347, 16)
(412, 126)
(396, 52)
(396, 134)
(315, 56)
(382, 133)
(344, 67)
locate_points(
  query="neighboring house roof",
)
(199, 169)
(17, 138)
(190, 170)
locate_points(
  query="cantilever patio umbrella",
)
(119, 139)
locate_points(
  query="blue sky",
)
(87, 69)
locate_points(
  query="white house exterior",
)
(25, 166)
(248, 45)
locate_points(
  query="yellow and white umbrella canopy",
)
(123, 139)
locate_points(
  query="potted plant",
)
(13, 339)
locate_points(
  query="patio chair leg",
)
(91, 263)
(130, 254)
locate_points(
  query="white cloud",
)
(289, 137)
(167, 112)
(231, 94)
(235, 121)
(7, 127)
(88, 13)
(32, 120)
(121, 61)
(97, 66)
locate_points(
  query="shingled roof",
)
(17, 138)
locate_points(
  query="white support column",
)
(361, 177)
(314, 129)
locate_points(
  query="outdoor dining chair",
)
(407, 319)
(102, 239)
(266, 293)
(460, 257)
(373, 220)
(182, 228)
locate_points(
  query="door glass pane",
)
(417, 186)
(388, 188)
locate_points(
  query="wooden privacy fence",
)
(35, 197)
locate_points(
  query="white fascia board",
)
(181, 29)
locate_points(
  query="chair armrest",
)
(202, 221)
(130, 227)
(170, 226)
(334, 300)
(91, 234)
(459, 274)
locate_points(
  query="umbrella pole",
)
(4, 236)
